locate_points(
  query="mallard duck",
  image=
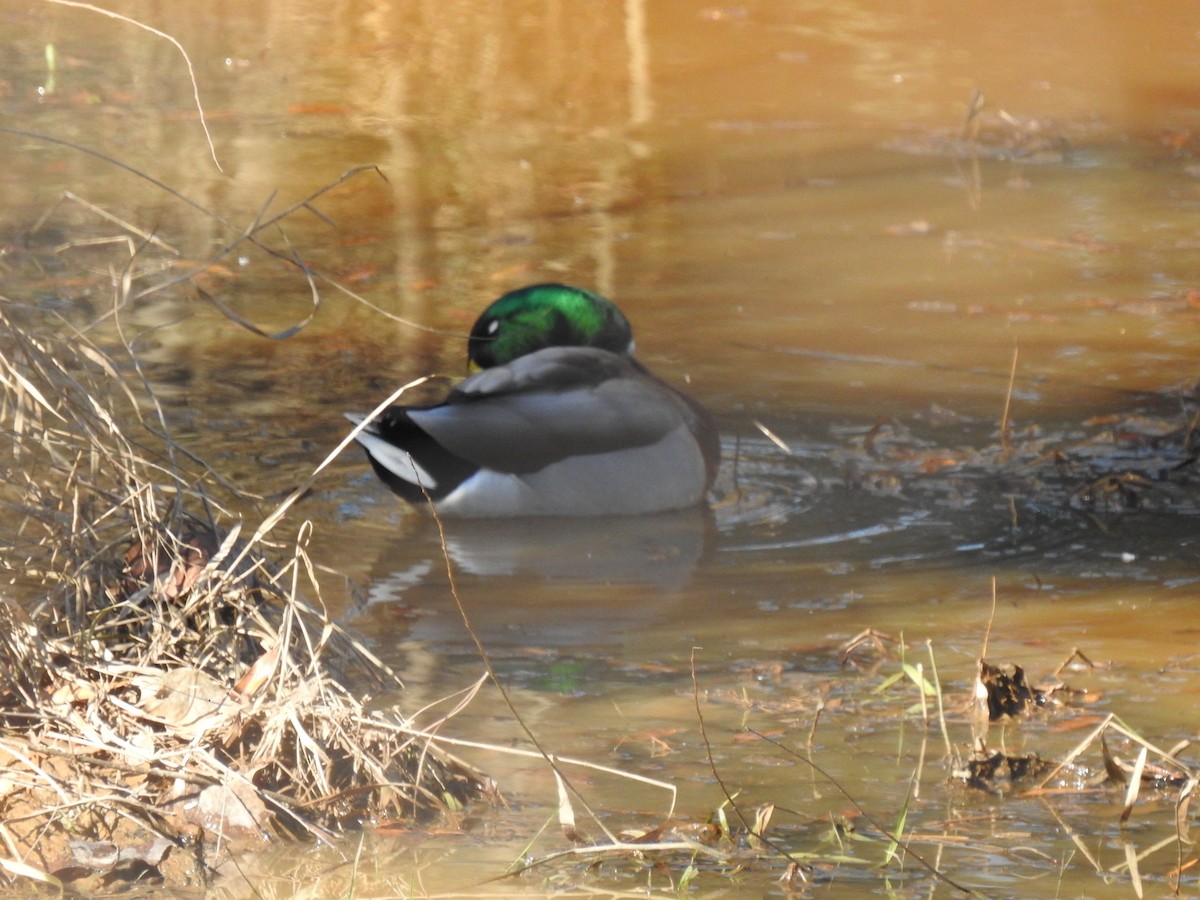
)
(560, 420)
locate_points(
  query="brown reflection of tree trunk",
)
(507, 140)
(641, 103)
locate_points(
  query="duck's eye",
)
(493, 326)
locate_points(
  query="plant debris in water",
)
(1000, 772)
(167, 696)
(1007, 694)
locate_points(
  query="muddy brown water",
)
(808, 230)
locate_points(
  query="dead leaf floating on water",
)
(1007, 694)
(1000, 773)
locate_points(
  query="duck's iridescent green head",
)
(546, 315)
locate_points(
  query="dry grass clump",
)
(164, 689)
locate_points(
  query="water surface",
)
(839, 220)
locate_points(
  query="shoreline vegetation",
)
(178, 687)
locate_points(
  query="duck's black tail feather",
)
(437, 471)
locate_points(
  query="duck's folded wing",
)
(550, 405)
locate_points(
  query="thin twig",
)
(487, 663)
(1012, 377)
(729, 798)
(178, 46)
(930, 867)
